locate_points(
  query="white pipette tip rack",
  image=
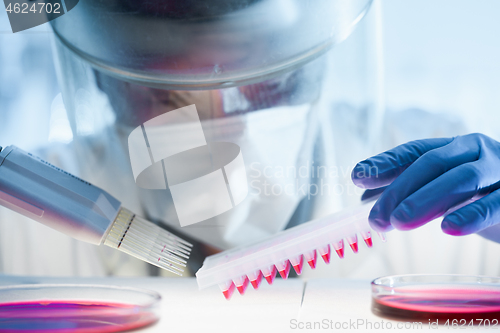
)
(239, 267)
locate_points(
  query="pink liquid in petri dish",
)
(72, 316)
(439, 304)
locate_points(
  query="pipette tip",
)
(256, 283)
(297, 264)
(312, 260)
(285, 270)
(242, 287)
(229, 291)
(146, 241)
(354, 247)
(325, 253)
(270, 277)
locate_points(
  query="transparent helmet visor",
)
(133, 104)
(206, 171)
(205, 44)
(252, 69)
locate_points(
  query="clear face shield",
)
(229, 170)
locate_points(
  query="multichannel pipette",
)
(237, 268)
(56, 198)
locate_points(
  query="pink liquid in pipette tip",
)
(72, 317)
(256, 283)
(270, 277)
(313, 259)
(436, 304)
(299, 265)
(339, 248)
(285, 270)
(241, 288)
(229, 291)
(325, 254)
(354, 247)
(353, 243)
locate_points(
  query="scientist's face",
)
(135, 104)
(270, 121)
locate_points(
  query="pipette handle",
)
(54, 197)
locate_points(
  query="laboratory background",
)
(432, 68)
(408, 70)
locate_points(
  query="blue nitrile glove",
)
(425, 178)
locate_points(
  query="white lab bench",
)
(286, 306)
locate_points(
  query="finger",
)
(438, 196)
(371, 194)
(382, 169)
(427, 168)
(474, 217)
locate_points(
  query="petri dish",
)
(437, 297)
(76, 308)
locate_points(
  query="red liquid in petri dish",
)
(440, 304)
(72, 316)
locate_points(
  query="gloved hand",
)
(425, 178)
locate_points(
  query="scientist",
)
(261, 83)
